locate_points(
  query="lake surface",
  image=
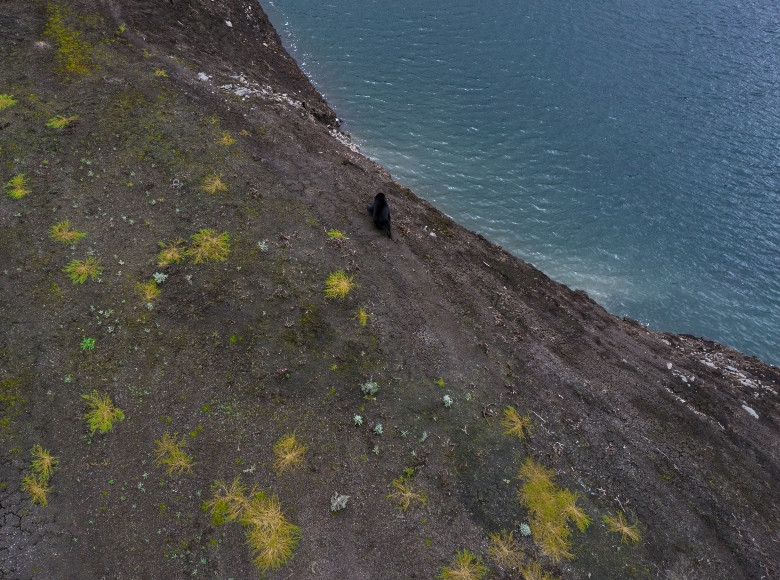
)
(630, 148)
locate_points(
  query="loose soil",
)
(677, 432)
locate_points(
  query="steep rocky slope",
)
(172, 118)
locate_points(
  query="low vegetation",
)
(619, 524)
(60, 121)
(62, 232)
(101, 414)
(551, 510)
(338, 284)
(288, 453)
(80, 271)
(213, 183)
(6, 101)
(209, 245)
(465, 566)
(170, 453)
(406, 495)
(504, 550)
(16, 187)
(514, 424)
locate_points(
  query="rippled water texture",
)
(628, 148)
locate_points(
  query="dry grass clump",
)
(619, 524)
(514, 424)
(7, 101)
(338, 285)
(148, 290)
(362, 316)
(465, 566)
(504, 550)
(288, 453)
(171, 253)
(102, 413)
(62, 233)
(533, 571)
(170, 452)
(43, 463)
(37, 482)
(209, 245)
(36, 488)
(61, 121)
(17, 186)
(551, 509)
(227, 139)
(271, 537)
(213, 183)
(406, 495)
(81, 270)
(337, 235)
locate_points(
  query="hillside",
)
(217, 199)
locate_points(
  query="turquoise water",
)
(630, 148)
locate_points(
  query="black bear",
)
(380, 211)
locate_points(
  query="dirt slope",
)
(184, 116)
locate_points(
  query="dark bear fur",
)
(380, 211)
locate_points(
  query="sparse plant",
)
(209, 245)
(102, 413)
(62, 232)
(406, 495)
(171, 253)
(358, 420)
(170, 452)
(229, 501)
(81, 270)
(619, 524)
(465, 566)
(271, 536)
(37, 489)
(87, 343)
(288, 453)
(504, 550)
(338, 502)
(378, 428)
(159, 72)
(227, 139)
(362, 316)
(369, 388)
(551, 508)
(447, 401)
(337, 235)
(533, 571)
(61, 121)
(514, 424)
(6, 101)
(43, 463)
(338, 284)
(17, 186)
(148, 290)
(213, 183)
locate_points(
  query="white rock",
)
(750, 411)
(229, 24)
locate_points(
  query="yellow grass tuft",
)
(36, 488)
(504, 550)
(226, 139)
(158, 72)
(171, 253)
(44, 463)
(170, 452)
(338, 285)
(551, 509)
(406, 495)
(229, 501)
(337, 235)
(514, 424)
(17, 186)
(288, 453)
(80, 271)
(61, 121)
(465, 566)
(209, 245)
(6, 101)
(213, 183)
(61, 232)
(533, 571)
(271, 536)
(102, 413)
(148, 290)
(619, 524)
(362, 316)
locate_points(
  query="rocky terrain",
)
(232, 311)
